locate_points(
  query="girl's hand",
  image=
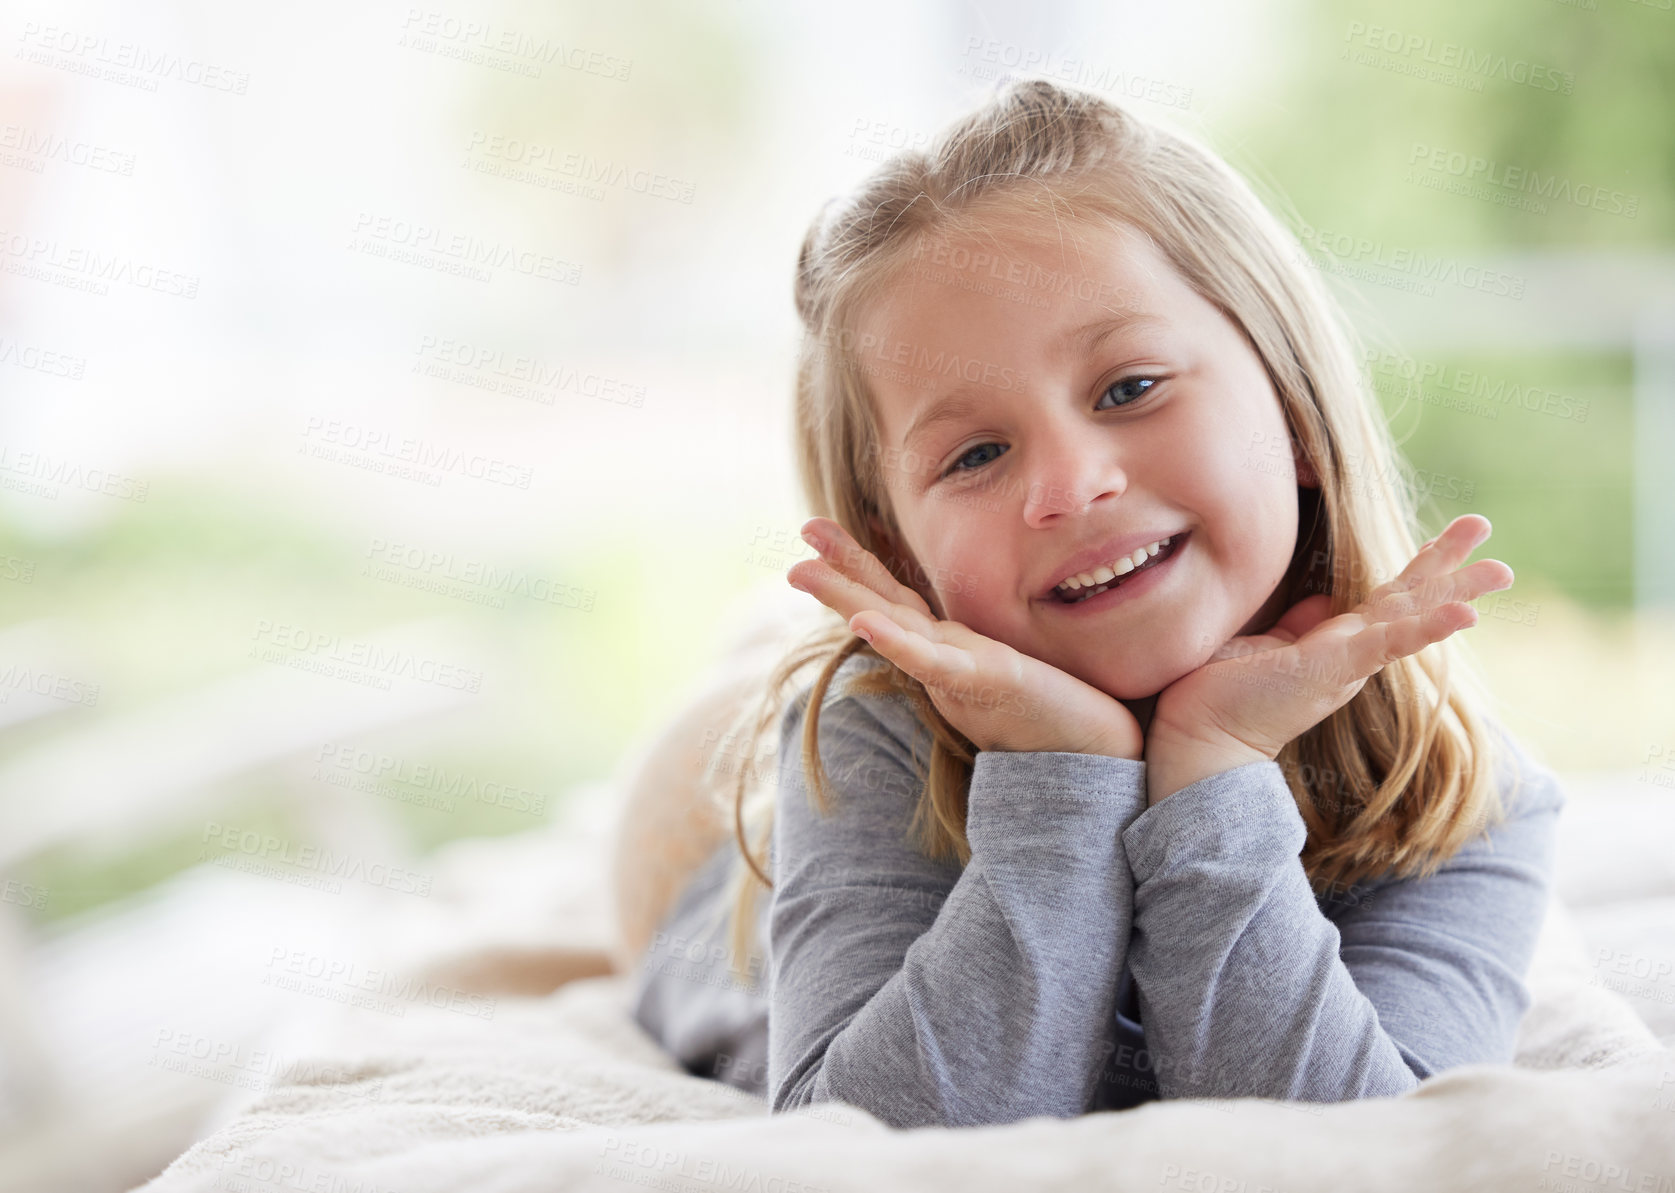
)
(1262, 691)
(1000, 698)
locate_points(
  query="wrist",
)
(1126, 753)
(1132, 751)
(1175, 761)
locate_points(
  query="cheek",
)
(972, 577)
(1242, 483)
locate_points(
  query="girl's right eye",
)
(956, 465)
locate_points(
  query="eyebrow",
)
(960, 402)
(1088, 337)
(948, 408)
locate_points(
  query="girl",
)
(1143, 763)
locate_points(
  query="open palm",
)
(1265, 690)
(999, 697)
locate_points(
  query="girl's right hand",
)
(1000, 698)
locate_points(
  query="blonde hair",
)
(1402, 776)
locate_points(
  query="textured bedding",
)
(558, 1088)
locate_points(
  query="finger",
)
(839, 548)
(1383, 642)
(847, 597)
(1299, 620)
(1302, 617)
(1446, 552)
(931, 663)
(1467, 584)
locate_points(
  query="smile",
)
(1090, 588)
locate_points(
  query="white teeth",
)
(1118, 567)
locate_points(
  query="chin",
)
(1139, 682)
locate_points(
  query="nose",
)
(1071, 471)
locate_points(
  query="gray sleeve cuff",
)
(1247, 812)
(1084, 791)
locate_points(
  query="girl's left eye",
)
(1133, 394)
(956, 465)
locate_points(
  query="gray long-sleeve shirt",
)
(928, 994)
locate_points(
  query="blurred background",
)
(394, 422)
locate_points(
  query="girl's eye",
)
(1125, 388)
(958, 465)
(1132, 388)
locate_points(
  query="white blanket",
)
(563, 1090)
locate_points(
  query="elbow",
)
(1418, 1067)
(810, 1089)
(795, 1090)
(789, 1095)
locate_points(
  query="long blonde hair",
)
(1401, 777)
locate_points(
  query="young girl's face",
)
(1064, 445)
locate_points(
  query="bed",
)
(530, 1075)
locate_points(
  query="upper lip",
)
(1106, 552)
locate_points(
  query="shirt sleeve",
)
(1248, 988)
(924, 993)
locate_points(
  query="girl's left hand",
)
(1258, 693)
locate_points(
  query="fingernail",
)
(795, 583)
(863, 633)
(815, 541)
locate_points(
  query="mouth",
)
(1130, 584)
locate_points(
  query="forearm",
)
(1003, 1006)
(1242, 990)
